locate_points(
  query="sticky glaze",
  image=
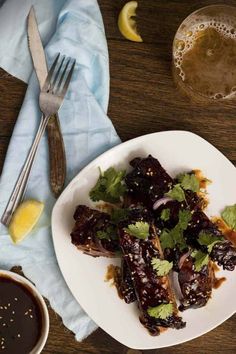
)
(20, 318)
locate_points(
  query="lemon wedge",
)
(24, 219)
(126, 22)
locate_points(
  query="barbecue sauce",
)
(225, 229)
(20, 318)
(217, 282)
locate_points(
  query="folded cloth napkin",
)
(78, 32)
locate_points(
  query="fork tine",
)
(67, 82)
(57, 73)
(50, 73)
(63, 74)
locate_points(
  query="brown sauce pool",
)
(113, 275)
(203, 183)
(226, 231)
(217, 282)
(20, 318)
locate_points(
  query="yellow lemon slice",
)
(126, 22)
(24, 219)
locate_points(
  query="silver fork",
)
(50, 101)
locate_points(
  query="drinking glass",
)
(204, 54)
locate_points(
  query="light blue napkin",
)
(87, 131)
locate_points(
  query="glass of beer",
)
(204, 54)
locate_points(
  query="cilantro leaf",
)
(176, 193)
(140, 229)
(229, 216)
(209, 240)
(185, 217)
(166, 240)
(102, 235)
(165, 214)
(161, 266)
(110, 233)
(177, 235)
(118, 215)
(109, 186)
(189, 182)
(173, 238)
(201, 259)
(162, 311)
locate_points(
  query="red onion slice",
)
(183, 258)
(161, 201)
(100, 248)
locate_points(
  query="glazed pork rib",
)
(196, 287)
(126, 287)
(149, 181)
(151, 290)
(223, 252)
(88, 222)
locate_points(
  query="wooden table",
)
(143, 99)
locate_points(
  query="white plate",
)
(177, 151)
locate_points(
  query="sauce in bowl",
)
(20, 317)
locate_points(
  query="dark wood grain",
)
(143, 99)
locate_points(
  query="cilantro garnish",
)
(175, 237)
(110, 233)
(102, 235)
(165, 214)
(118, 215)
(177, 234)
(209, 240)
(161, 266)
(162, 311)
(176, 193)
(166, 239)
(109, 186)
(140, 229)
(189, 182)
(185, 217)
(229, 216)
(201, 259)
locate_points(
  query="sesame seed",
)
(15, 299)
(11, 320)
(31, 316)
(8, 305)
(4, 324)
(1, 308)
(18, 335)
(5, 307)
(3, 347)
(13, 312)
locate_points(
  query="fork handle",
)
(22, 180)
